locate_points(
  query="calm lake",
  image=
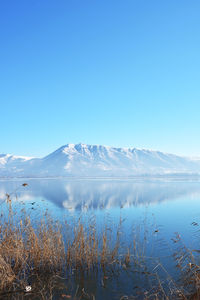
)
(156, 210)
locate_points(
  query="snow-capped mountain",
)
(11, 164)
(93, 160)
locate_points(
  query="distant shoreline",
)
(166, 176)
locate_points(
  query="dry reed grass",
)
(27, 250)
(38, 254)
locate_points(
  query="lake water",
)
(161, 207)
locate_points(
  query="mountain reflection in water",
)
(155, 212)
(77, 194)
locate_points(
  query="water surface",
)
(159, 207)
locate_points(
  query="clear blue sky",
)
(119, 73)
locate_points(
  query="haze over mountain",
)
(96, 160)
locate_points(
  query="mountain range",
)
(81, 160)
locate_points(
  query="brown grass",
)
(28, 250)
(30, 253)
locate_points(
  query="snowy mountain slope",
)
(11, 164)
(93, 160)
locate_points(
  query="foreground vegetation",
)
(48, 260)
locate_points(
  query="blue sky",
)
(118, 73)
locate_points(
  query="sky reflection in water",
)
(171, 204)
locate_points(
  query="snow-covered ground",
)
(97, 160)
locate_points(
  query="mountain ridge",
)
(98, 160)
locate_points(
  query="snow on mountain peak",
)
(97, 160)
